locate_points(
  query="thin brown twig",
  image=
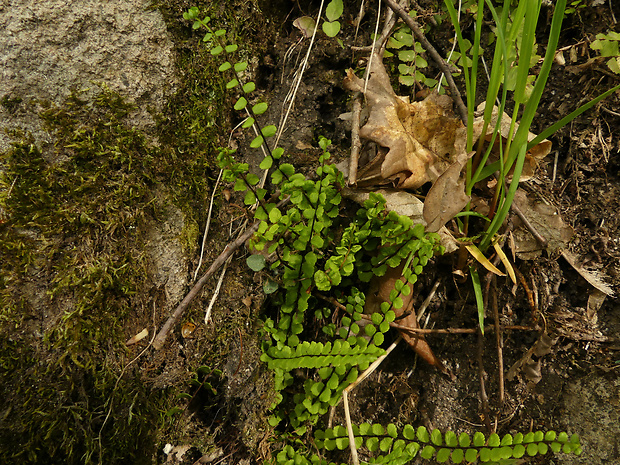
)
(499, 343)
(356, 143)
(541, 240)
(484, 399)
(409, 329)
(530, 296)
(419, 34)
(160, 339)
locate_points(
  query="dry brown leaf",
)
(529, 365)
(446, 197)
(379, 291)
(138, 337)
(595, 278)
(422, 138)
(595, 302)
(547, 222)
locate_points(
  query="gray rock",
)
(592, 410)
(49, 47)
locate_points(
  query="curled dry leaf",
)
(595, 302)
(595, 278)
(379, 291)
(138, 337)
(530, 363)
(424, 142)
(446, 197)
(547, 222)
(422, 139)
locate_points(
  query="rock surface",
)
(49, 48)
(594, 398)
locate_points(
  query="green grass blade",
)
(475, 279)
(528, 39)
(502, 212)
(532, 104)
(568, 118)
(499, 68)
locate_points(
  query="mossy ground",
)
(75, 272)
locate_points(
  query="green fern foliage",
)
(313, 253)
(404, 444)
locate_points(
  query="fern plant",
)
(309, 247)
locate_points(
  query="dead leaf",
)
(422, 138)
(138, 337)
(530, 365)
(595, 302)
(484, 261)
(306, 25)
(423, 142)
(175, 454)
(595, 278)
(502, 256)
(379, 291)
(547, 222)
(446, 197)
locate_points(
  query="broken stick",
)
(160, 339)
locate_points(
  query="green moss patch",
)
(74, 272)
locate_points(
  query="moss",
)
(74, 272)
(10, 103)
(72, 268)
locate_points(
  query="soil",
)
(578, 387)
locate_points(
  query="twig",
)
(541, 240)
(216, 292)
(345, 399)
(530, 295)
(409, 329)
(427, 301)
(299, 77)
(417, 31)
(499, 343)
(356, 143)
(487, 328)
(484, 399)
(204, 237)
(431, 18)
(191, 295)
(388, 25)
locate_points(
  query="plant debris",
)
(547, 222)
(379, 291)
(422, 138)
